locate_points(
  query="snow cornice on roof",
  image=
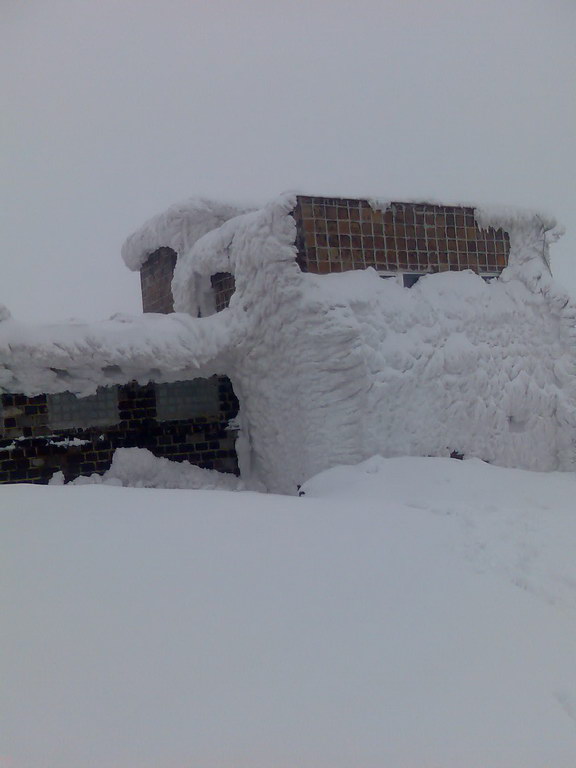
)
(80, 357)
(184, 223)
(178, 227)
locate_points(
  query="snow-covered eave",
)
(241, 245)
(510, 219)
(213, 251)
(79, 357)
(200, 231)
(178, 227)
(218, 249)
(504, 217)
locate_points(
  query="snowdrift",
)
(405, 612)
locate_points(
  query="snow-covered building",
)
(313, 331)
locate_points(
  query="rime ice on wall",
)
(332, 369)
(178, 228)
(79, 357)
(335, 368)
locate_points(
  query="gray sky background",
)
(114, 109)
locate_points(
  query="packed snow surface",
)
(403, 612)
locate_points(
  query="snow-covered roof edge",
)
(236, 242)
(506, 217)
(510, 218)
(184, 223)
(178, 227)
(79, 357)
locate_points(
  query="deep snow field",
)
(404, 613)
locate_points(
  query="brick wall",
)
(30, 451)
(207, 444)
(336, 235)
(156, 281)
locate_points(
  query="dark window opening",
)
(67, 411)
(223, 285)
(187, 399)
(410, 279)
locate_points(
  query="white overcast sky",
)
(114, 109)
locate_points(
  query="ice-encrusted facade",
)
(331, 363)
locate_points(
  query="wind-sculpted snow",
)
(79, 357)
(178, 228)
(333, 369)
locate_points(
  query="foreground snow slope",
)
(405, 612)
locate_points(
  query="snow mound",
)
(139, 468)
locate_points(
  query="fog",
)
(114, 109)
